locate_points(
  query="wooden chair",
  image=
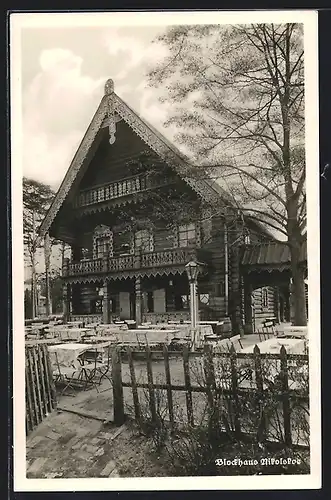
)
(266, 333)
(69, 376)
(236, 342)
(94, 368)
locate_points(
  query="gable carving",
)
(111, 105)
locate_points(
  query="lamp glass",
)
(192, 269)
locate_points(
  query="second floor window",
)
(122, 243)
(187, 235)
(142, 240)
(102, 246)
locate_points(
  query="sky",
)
(63, 72)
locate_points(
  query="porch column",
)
(277, 305)
(138, 299)
(66, 301)
(248, 309)
(105, 304)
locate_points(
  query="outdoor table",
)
(72, 333)
(42, 341)
(295, 331)
(74, 324)
(68, 354)
(273, 346)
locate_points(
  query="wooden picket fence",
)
(211, 387)
(40, 393)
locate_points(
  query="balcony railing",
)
(123, 187)
(163, 258)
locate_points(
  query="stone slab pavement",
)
(66, 445)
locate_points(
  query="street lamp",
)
(192, 269)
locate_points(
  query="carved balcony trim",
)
(129, 186)
(145, 264)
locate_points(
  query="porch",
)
(147, 299)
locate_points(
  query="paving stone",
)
(67, 437)
(83, 455)
(53, 435)
(91, 449)
(51, 475)
(114, 473)
(78, 445)
(105, 435)
(99, 452)
(109, 468)
(73, 441)
(34, 441)
(37, 464)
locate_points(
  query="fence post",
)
(53, 396)
(285, 397)
(118, 398)
(168, 381)
(188, 392)
(152, 405)
(261, 431)
(209, 371)
(134, 386)
(234, 384)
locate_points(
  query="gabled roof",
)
(110, 106)
(270, 255)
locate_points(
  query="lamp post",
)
(192, 269)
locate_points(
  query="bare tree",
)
(238, 95)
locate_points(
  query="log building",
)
(135, 212)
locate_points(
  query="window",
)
(204, 298)
(265, 298)
(102, 246)
(142, 240)
(187, 235)
(220, 289)
(247, 239)
(207, 227)
(182, 302)
(122, 243)
(150, 302)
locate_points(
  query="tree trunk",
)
(33, 270)
(47, 251)
(298, 287)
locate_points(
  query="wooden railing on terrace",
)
(163, 258)
(123, 187)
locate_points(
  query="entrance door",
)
(159, 297)
(125, 309)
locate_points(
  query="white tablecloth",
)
(67, 354)
(273, 346)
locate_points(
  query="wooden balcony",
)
(121, 188)
(173, 257)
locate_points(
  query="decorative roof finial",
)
(109, 91)
(109, 86)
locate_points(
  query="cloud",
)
(61, 99)
(58, 106)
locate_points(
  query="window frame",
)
(183, 229)
(145, 242)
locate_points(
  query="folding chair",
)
(70, 376)
(235, 341)
(266, 333)
(138, 336)
(91, 369)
